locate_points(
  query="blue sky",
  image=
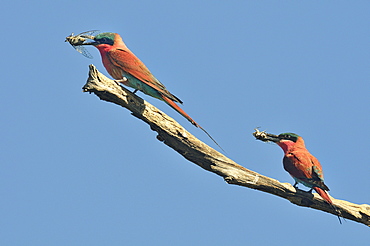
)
(75, 170)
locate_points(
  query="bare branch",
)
(176, 137)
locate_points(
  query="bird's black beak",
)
(90, 43)
(266, 137)
(87, 38)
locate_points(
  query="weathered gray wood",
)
(176, 137)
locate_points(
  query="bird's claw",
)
(295, 186)
(118, 81)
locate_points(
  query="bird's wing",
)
(305, 167)
(317, 173)
(132, 65)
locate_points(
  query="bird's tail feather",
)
(326, 197)
(184, 114)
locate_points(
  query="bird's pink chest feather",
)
(114, 71)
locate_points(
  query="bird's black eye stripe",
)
(288, 137)
(105, 41)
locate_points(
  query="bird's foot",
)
(295, 186)
(118, 81)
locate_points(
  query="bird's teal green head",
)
(288, 136)
(104, 38)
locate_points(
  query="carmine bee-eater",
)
(127, 69)
(299, 163)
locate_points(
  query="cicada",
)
(78, 40)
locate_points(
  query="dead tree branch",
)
(175, 136)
